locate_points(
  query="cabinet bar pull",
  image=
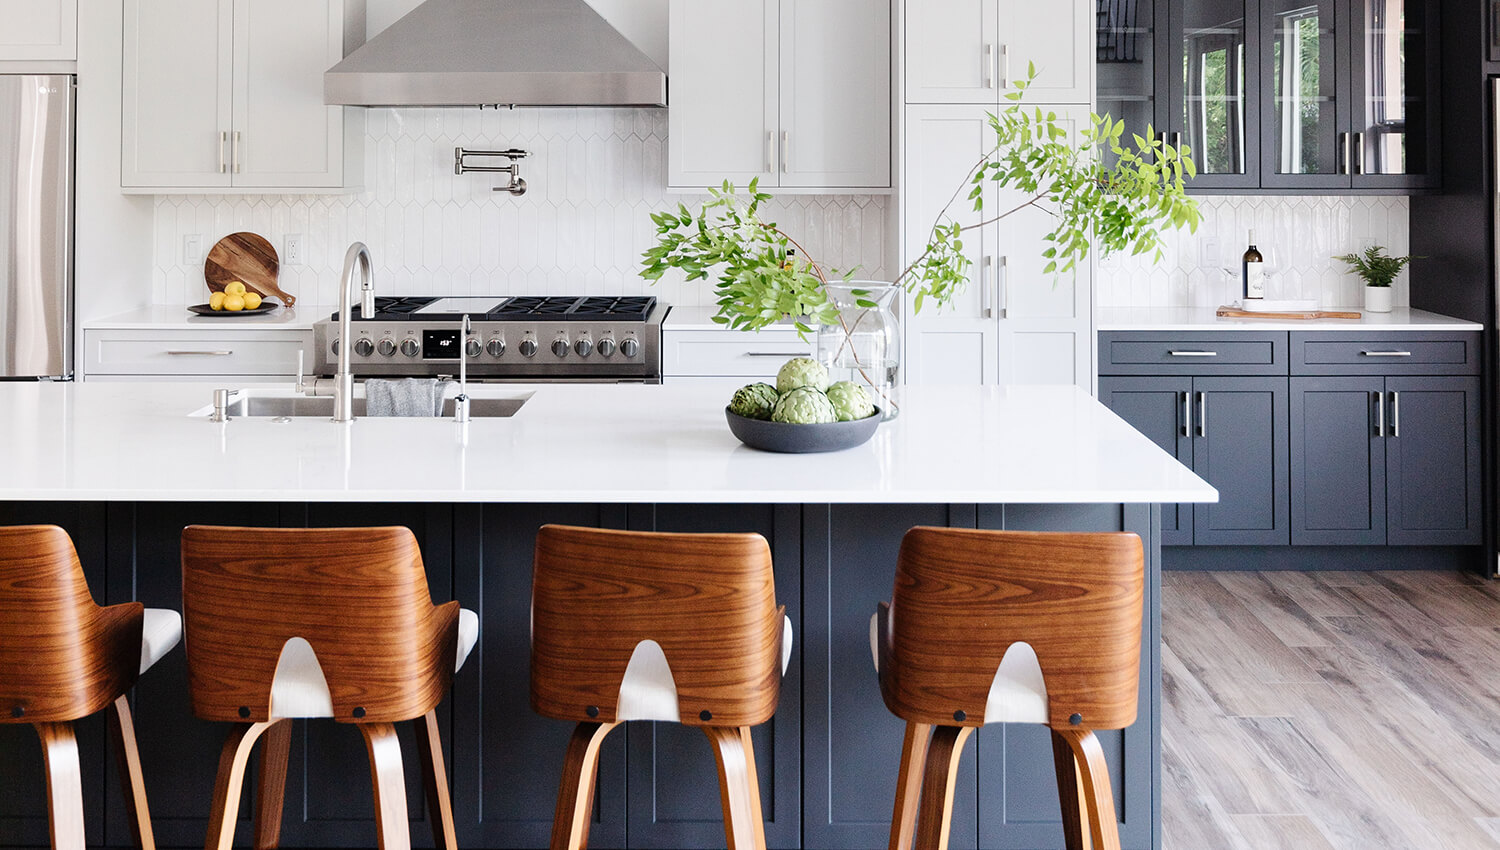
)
(222, 353)
(989, 66)
(1359, 153)
(1004, 287)
(1385, 354)
(770, 151)
(770, 354)
(1343, 167)
(223, 140)
(986, 297)
(234, 152)
(1187, 415)
(1177, 140)
(786, 150)
(1379, 413)
(1395, 414)
(1203, 414)
(1193, 353)
(1004, 66)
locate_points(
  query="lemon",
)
(252, 300)
(216, 301)
(234, 303)
(234, 287)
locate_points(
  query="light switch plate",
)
(192, 249)
(1208, 252)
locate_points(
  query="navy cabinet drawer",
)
(1192, 353)
(1430, 353)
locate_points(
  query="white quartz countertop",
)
(574, 443)
(1203, 319)
(175, 317)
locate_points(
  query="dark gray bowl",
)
(782, 437)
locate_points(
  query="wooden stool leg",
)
(909, 785)
(739, 790)
(1098, 799)
(275, 754)
(575, 797)
(137, 812)
(935, 815)
(389, 780)
(64, 785)
(227, 786)
(435, 782)
(1069, 794)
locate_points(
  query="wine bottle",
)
(1253, 271)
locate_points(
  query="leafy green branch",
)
(1374, 266)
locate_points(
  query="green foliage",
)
(1120, 206)
(1374, 267)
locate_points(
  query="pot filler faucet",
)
(343, 388)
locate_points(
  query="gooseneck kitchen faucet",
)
(343, 389)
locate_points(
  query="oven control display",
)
(440, 344)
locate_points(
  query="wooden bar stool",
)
(1010, 627)
(655, 626)
(287, 623)
(62, 658)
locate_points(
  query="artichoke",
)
(804, 406)
(754, 401)
(850, 401)
(801, 372)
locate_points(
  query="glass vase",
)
(864, 345)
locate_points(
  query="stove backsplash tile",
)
(1297, 235)
(594, 177)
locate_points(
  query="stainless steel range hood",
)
(492, 52)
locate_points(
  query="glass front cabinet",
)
(1279, 94)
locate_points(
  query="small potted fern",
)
(1378, 271)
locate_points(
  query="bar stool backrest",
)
(358, 596)
(62, 657)
(709, 601)
(963, 596)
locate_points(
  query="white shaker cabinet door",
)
(952, 51)
(175, 116)
(284, 136)
(721, 119)
(955, 344)
(835, 93)
(39, 29)
(1057, 37)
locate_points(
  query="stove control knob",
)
(496, 346)
(606, 346)
(528, 347)
(364, 347)
(335, 346)
(472, 348)
(583, 347)
(560, 346)
(386, 347)
(409, 347)
(629, 347)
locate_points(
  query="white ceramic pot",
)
(1377, 299)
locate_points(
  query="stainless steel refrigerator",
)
(36, 226)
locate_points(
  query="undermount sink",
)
(299, 406)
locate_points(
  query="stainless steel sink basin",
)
(322, 406)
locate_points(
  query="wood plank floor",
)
(1330, 710)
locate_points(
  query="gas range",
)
(521, 338)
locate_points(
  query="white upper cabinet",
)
(228, 96)
(971, 51)
(39, 29)
(793, 92)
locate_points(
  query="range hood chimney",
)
(497, 52)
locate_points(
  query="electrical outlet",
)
(1208, 252)
(192, 249)
(293, 253)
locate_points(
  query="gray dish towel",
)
(406, 397)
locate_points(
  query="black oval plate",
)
(784, 437)
(205, 310)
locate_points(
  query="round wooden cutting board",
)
(246, 257)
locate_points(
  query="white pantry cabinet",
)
(971, 51)
(795, 93)
(1013, 323)
(227, 95)
(39, 29)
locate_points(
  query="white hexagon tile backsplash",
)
(594, 177)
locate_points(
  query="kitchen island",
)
(124, 466)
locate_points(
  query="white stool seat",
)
(649, 692)
(161, 629)
(300, 690)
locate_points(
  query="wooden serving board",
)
(1236, 313)
(249, 258)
